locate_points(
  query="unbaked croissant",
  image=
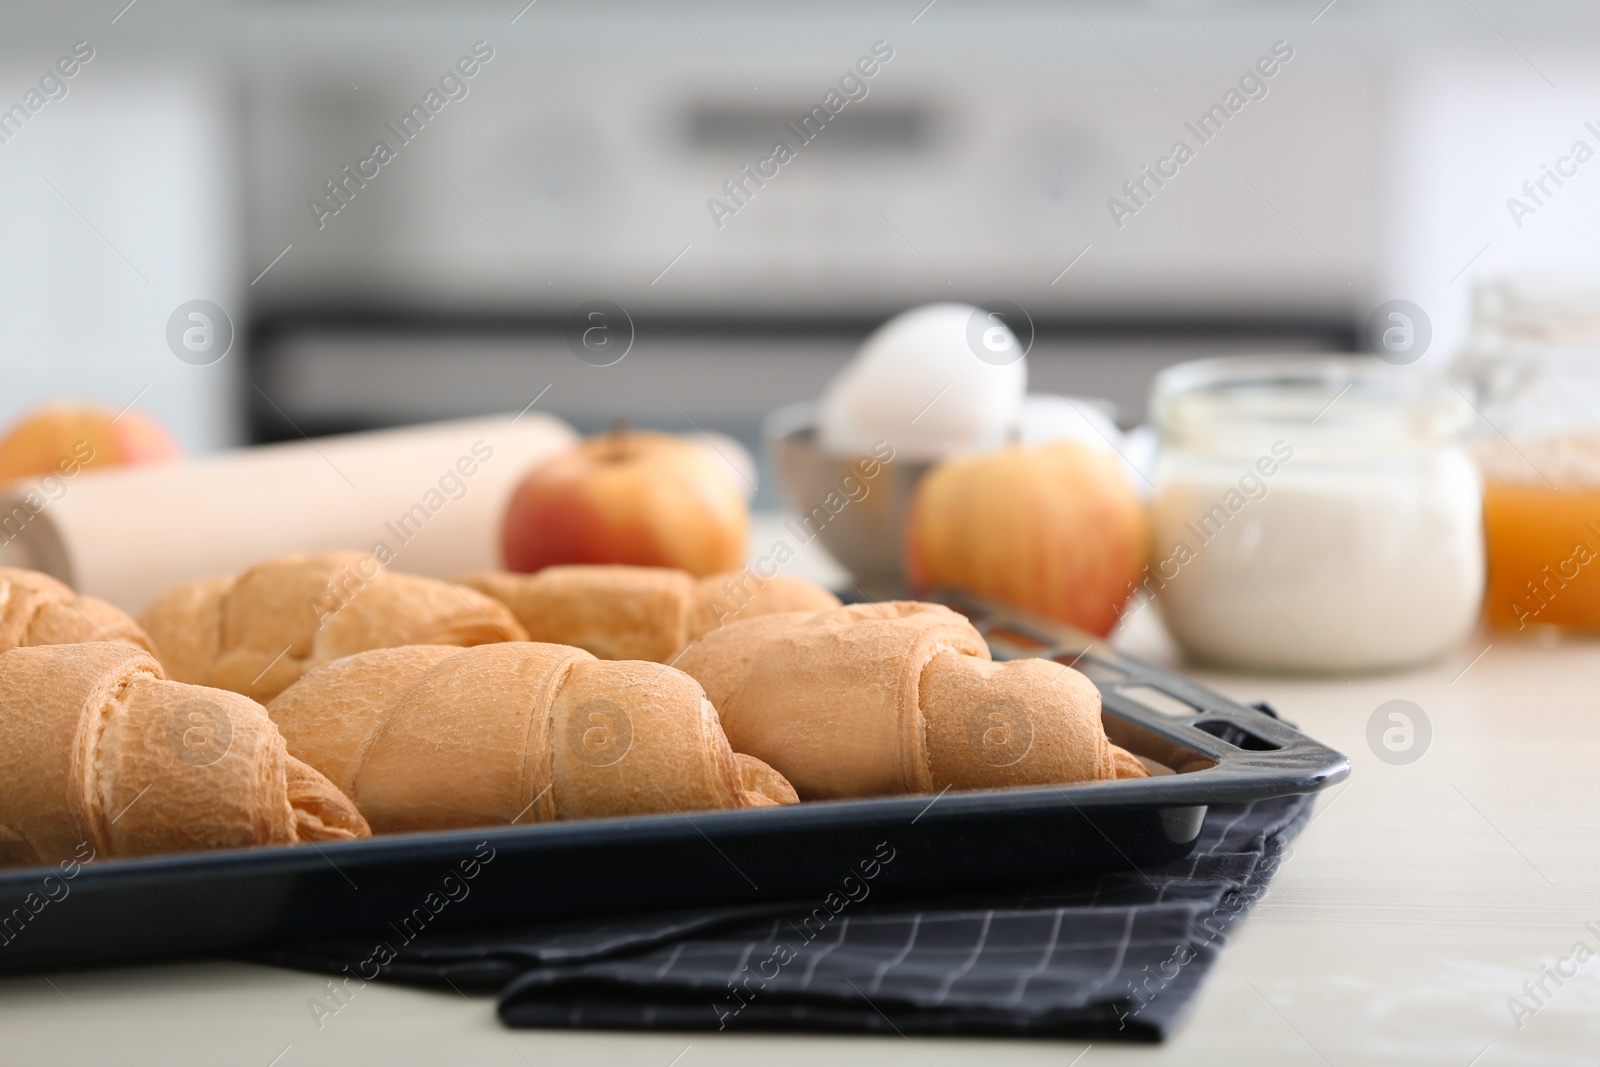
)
(432, 738)
(618, 612)
(35, 609)
(98, 751)
(258, 632)
(899, 697)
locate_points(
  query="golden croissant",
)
(35, 609)
(258, 632)
(620, 612)
(899, 697)
(100, 755)
(432, 738)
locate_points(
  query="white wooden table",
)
(1412, 910)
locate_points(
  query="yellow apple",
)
(65, 438)
(1054, 528)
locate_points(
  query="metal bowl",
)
(860, 520)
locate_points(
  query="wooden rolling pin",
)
(432, 496)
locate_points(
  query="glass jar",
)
(1532, 367)
(1314, 513)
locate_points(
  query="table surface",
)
(1410, 913)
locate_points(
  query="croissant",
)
(258, 632)
(35, 609)
(98, 750)
(899, 697)
(431, 738)
(618, 612)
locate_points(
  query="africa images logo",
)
(52, 87)
(1139, 190)
(599, 732)
(852, 87)
(342, 189)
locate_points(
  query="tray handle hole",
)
(1236, 735)
(1018, 637)
(1157, 700)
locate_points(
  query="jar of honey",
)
(1532, 368)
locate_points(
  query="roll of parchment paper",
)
(432, 496)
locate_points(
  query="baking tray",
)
(1222, 751)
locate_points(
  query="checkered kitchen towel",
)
(1119, 954)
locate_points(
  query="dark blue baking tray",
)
(1221, 751)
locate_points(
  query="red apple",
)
(1055, 528)
(69, 437)
(647, 499)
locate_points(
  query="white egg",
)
(918, 383)
(730, 456)
(1052, 417)
(1139, 448)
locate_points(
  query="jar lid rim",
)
(1286, 389)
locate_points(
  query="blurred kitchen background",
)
(180, 162)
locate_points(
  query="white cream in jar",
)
(1314, 513)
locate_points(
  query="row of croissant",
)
(308, 699)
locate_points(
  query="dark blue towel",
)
(1121, 954)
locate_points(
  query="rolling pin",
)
(429, 498)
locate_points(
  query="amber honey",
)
(1541, 509)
